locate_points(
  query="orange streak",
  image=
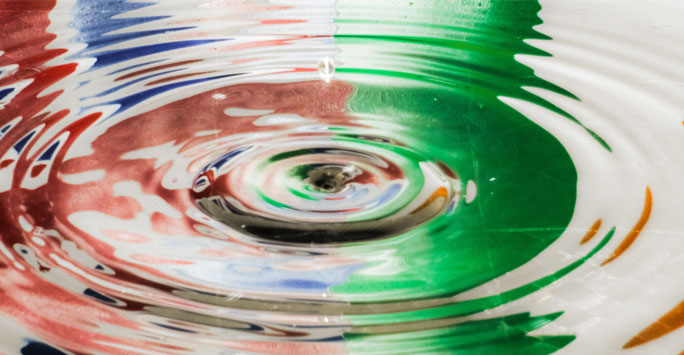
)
(592, 231)
(632, 236)
(667, 323)
(440, 192)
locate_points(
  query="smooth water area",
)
(341, 177)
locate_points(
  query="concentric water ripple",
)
(321, 188)
(314, 177)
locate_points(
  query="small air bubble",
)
(326, 69)
(471, 191)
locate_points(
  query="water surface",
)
(313, 177)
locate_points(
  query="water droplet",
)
(326, 69)
(471, 191)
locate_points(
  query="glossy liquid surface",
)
(363, 177)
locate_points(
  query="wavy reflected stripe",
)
(592, 232)
(159, 67)
(671, 321)
(177, 77)
(636, 230)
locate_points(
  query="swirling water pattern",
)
(313, 177)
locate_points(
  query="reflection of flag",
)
(447, 65)
(122, 225)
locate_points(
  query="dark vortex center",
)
(330, 178)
